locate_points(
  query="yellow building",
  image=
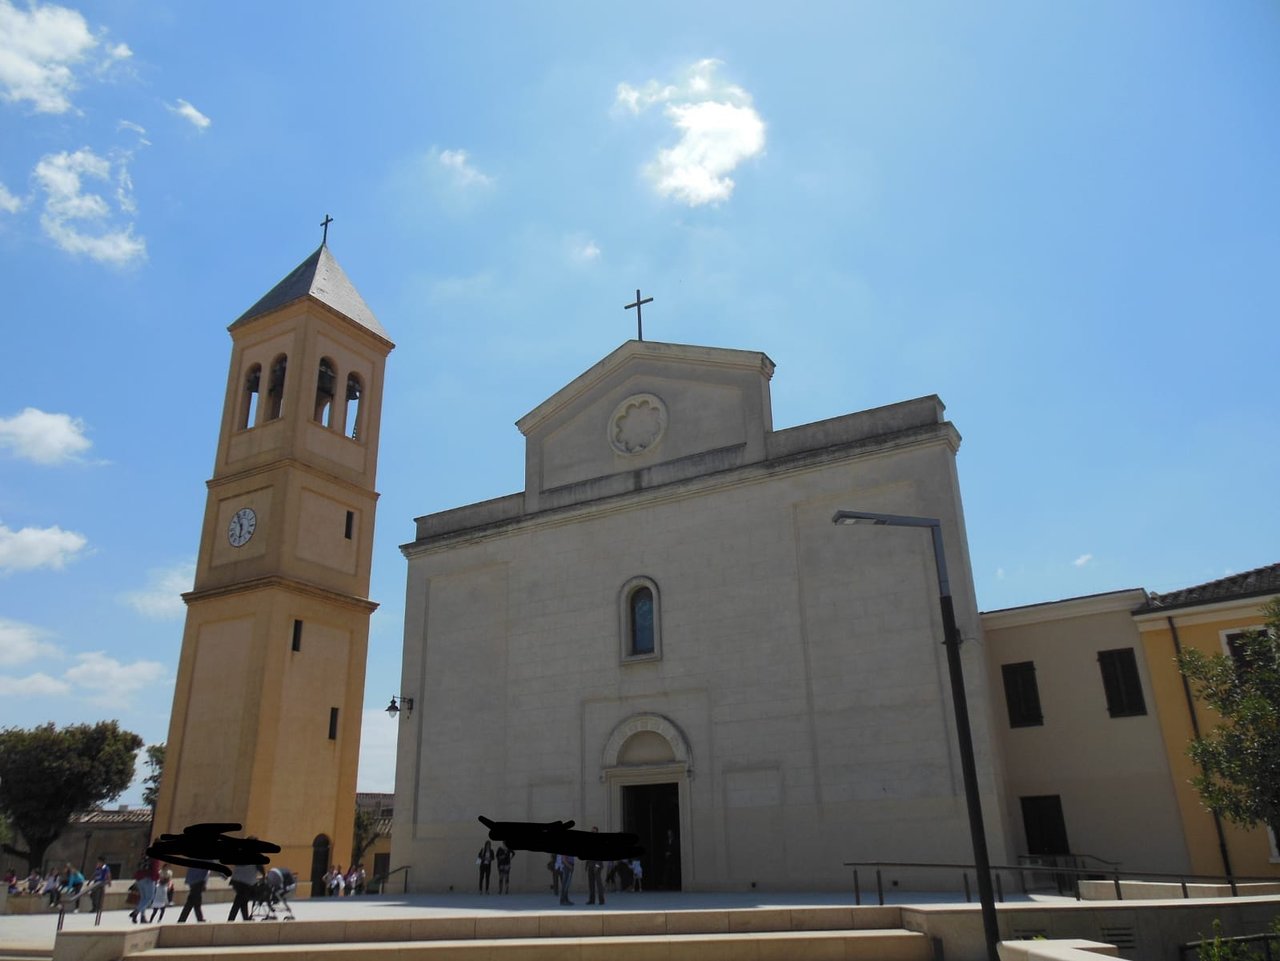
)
(1206, 617)
(265, 729)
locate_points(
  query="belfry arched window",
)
(275, 389)
(249, 397)
(640, 619)
(326, 378)
(354, 391)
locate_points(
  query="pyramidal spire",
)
(320, 278)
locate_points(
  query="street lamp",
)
(394, 709)
(951, 641)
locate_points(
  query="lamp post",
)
(951, 641)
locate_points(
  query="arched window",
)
(640, 620)
(249, 398)
(325, 384)
(354, 390)
(275, 390)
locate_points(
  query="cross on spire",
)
(325, 224)
(639, 321)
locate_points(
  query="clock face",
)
(243, 523)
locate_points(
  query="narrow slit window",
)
(275, 390)
(326, 382)
(333, 724)
(351, 521)
(249, 400)
(354, 391)
(297, 635)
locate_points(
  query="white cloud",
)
(20, 643)
(8, 202)
(33, 685)
(378, 736)
(461, 172)
(112, 683)
(35, 547)
(1082, 560)
(137, 128)
(189, 113)
(583, 250)
(44, 438)
(718, 125)
(40, 49)
(68, 209)
(161, 599)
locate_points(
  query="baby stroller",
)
(273, 892)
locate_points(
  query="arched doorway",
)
(647, 767)
(319, 864)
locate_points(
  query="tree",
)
(365, 833)
(155, 764)
(48, 774)
(1239, 760)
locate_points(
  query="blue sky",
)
(1060, 218)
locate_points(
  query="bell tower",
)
(265, 729)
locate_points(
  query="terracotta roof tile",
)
(1255, 583)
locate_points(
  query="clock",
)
(243, 523)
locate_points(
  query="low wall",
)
(1140, 930)
(1159, 890)
(114, 900)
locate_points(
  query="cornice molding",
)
(280, 582)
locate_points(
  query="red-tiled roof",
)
(131, 816)
(1255, 583)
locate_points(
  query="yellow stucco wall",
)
(1250, 851)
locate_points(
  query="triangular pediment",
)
(645, 404)
(320, 278)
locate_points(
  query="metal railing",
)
(379, 881)
(1267, 940)
(1000, 871)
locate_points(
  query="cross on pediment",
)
(639, 320)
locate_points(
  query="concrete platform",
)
(689, 924)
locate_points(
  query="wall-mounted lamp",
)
(393, 708)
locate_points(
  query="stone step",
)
(865, 945)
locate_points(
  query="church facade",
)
(665, 633)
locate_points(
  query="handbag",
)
(134, 895)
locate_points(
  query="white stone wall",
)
(801, 661)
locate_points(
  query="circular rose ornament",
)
(637, 424)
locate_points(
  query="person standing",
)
(197, 879)
(595, 881)
(485, 860)
(503, 857)
(337, 881)
(566, 876)
(101, 881)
